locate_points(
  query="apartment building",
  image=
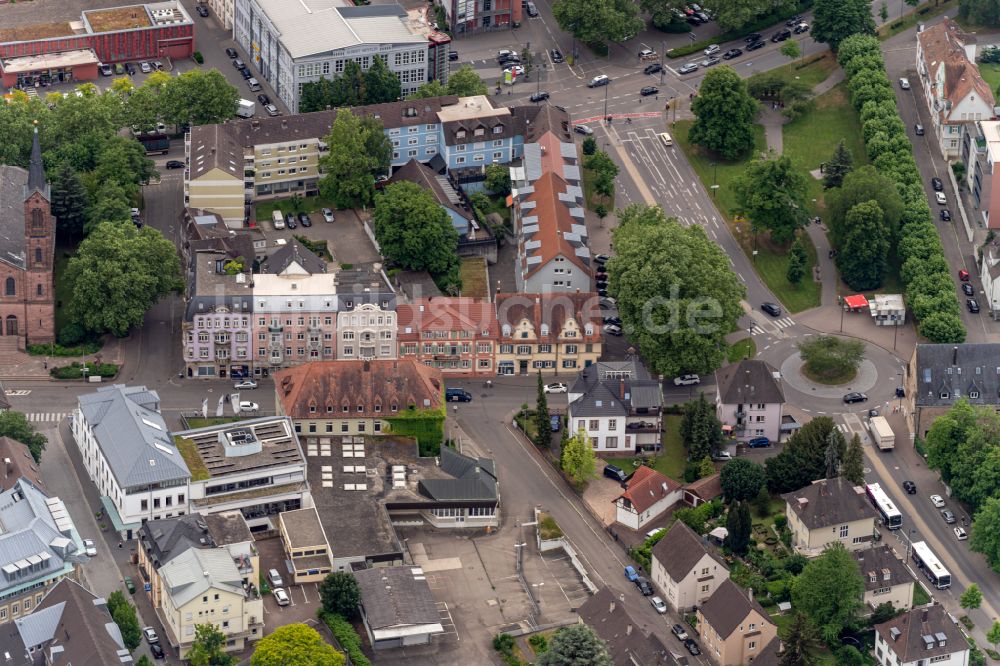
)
(829, 511)
(734, 628)
(130, 456)
(551, 332)
(298, 43)
(954, 91)
(465, 17)
(366, 332)
(256, 467)
(887, 578)
(458, 336)
(750, 400)
(618, 406)
(981, 155)
(686, 568)
(921, 636)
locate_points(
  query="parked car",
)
(247, 406)
(144, 67)
(937, 501)
(688, 68)
(89, 548)
(617, 321)
(963, 275)
(687, 380)
(272, 110)
(732, 53)
(794, 20)
(722, 456)
(150, 635)
(679, 631)
(598, 81)
(304, 220)
(557, 387)
(772, 309)
(647, 54)
(940, 198)
(855, 396)
(960, 533)
(601, 258)
(119, 69)
(130, 69)
(516, 70)
(644, 586)
(639, 425)
(618, 474)
(972, 304)
(655, 68)
(452, 56)
(801, 28)
(937, 184)
(503, 54)
(274, 578)
(708, 62)
(263, 99)
(611, 329)
(556, 55)
(948, 516)
(780, 36)
(245, 385)
(753, 46)
(281, 596)
(174, 164)
(555, 422)
(918, 129)
(759, 443)
(327, 215)
(231, 52)
(582, 129)
(290, 221)
(457, 395)
(532, 10)
(692, 647)
(945, 215)
(712, 49)
(129, 585)
(910, 487)
(202, 11)
(904, 83)
(629, 569)
(752, 37)
(106, 70)
(658, 604)
(157, 651)
(649, 90)
(967, 289)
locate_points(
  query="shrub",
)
(59, 350)
(503, 642)
(539, 643)
(198, 57)
(75, 370)
(780, 521)
(348, 638)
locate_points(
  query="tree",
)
(125, 617)
(706, 467)
(971, 598)
(831, 457)
(381, 84)
(800, 642)
(838, 166)
(853, 466)
(835, 20)
(724, 113)
(742, 479)
(578, 458)
(427, 90)
(982, 12)
(295, 645)
(993, 635)
(118, 273)
(69, 201)
(829, 357)
(596, 22)
(575, 645)
(790, 49)
(701, 429)
(738, 525)
(772, 193)
(676, 290)
(348, 89)
(863, 262)
(143, 661)
(985, 536)
(829, 591)
(209, 647)
(796, 269)
(123, 162)
(16, 426)
(465, 82)
(357, 152)
(883, 12)
(859, 186)
(762, 502)
(199, 97)
(606, 171)
(110, 203)
(543, 428)
(803, 459)
(414, 232)
(340, 594)
(589, 145)
(498, 179)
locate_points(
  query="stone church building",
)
(27, 253)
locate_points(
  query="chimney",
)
(621, 388)
(8, 467)
(750, 594)
(954, 355)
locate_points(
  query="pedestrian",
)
(119, 544)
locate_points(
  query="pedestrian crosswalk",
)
(17, 392)
(46, 417)
(784, 323)
(778, 324)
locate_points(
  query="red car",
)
(963, 275)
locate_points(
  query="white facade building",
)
(921, 637)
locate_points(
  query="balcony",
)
(275, 329)
(642, 427)
(741, 413)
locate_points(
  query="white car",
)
(904, 83)
(327, 215)
(687, 380)
(150, 635)
(722, 456)
(658, 604)
(688, 68)
(247, 384)
(937, 501)
(145, 68)
(960, 533)
(517, 70)
(247, 406)
(272, 110)
(281, 596)
(941, 198)
(558, 387)
(89, 548)
(711, 50)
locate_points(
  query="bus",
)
(928, 563)
(891, 517)
(154, 143)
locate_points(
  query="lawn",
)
(811, 71)
(991, 74)
(745, 348)
(308, 205)
(671, 461)
(920, 596)
(473, 274)
(772, 266)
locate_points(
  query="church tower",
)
(39, 251)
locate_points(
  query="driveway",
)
(345, 237)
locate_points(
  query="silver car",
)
(688, 68)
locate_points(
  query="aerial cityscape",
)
(448, 332)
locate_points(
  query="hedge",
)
(58, 350)
(763, 22)
(75, 370)
(929, 286)
(348, 638)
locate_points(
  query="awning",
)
(857, 301)
(727, 428)
(116, 521)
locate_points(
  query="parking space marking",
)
(447, 620)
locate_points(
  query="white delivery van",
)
(278, 219)
(882, 435)
(245, 108)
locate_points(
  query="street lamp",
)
(715, 178)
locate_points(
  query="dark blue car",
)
(759, 443)
(556, 422)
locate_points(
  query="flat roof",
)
(991, 132)
(302, 528)
(33, 31)
(118, 18)
(228, 448)
(468, 108)
(26, 17)
(49, 61)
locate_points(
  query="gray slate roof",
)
(957, 371)
(475, 478)
(293, 251)
(750, 380)
(165, 539)
(680, 549)
(881, 561)
(194, 571)
(615, 388)
(396, 596)
(829, 502)
(911, 628)
(627, 644)
(728, 606)
(13, 181)
(36, 170)
(132, 435)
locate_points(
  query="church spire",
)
(36, 170)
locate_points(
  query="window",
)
(843, 531)
(594, 424)
(753, 644)
(10, 288)
(611, 442)
(612, 424)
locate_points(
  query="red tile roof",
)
(552, 309)
(647, 487)
(944, 45)
(446, 314)
(554, 222)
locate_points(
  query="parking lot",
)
(304, 599)
(345, 236)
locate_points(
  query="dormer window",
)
(479, 131)
(361, 408)
(345, 408)
(312, 407)
(974, 394)
(945, 395)
(460, 134)
(498, 129)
